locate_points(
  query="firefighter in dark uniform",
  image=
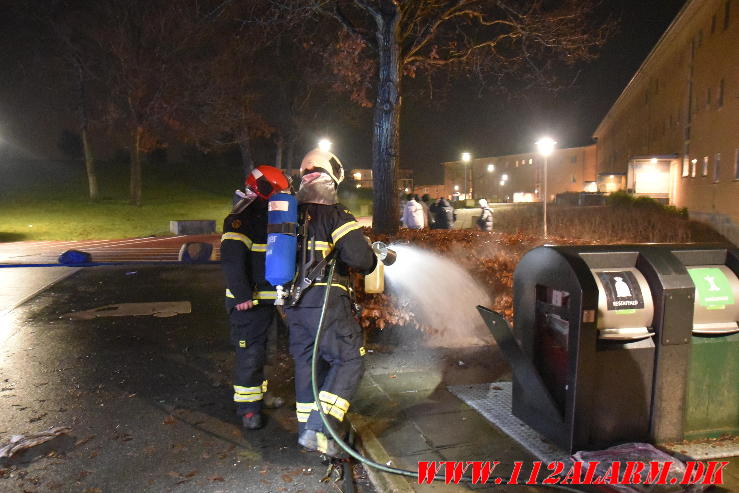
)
(331, 229)
(249, 297)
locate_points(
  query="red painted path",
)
(152, 249)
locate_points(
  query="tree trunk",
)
(92, 179)
(247, 160)
(280, 143)
(135, 186)
(385, 134)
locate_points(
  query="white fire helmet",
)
(324, 160)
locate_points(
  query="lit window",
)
(716, 167)
(686, 165)
(693, 167)
(704, 168)
(531, 161)
(720, 98)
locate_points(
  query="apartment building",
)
(674, 131)
(520, 177)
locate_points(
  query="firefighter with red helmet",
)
(249, 297)
(328, 229)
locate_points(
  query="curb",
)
(369, 446)
(42, 287)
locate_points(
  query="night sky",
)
(487, 124)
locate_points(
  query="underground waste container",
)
(712, 402)
(589, 322)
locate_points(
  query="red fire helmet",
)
(266, 181)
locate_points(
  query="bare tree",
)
(146, 47)
(62, 36)
(487, 38)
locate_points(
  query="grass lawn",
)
(48, 201)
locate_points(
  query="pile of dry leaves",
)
(490, 258)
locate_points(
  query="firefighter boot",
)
(319, 442)
(252, 421)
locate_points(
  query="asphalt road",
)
(148, 398)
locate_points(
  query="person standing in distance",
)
(249, 297)
(328, 229)
(485, 221)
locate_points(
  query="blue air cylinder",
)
(282, 241)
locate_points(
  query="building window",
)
(727, 14)
(713, 24)
(736, 164)
(720, 97)
(704, 168)
(708, 97)
(700, 38)
(716, 167)
(686, 165)
(693, 167)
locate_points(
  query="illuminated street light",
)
(456, 188)
(357, 176)
(466, 157)
(502, 182)
(545, 146)
(491, 168)
(324, 145)
(504, 177)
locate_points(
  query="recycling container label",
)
(622, 290)
(712, 288)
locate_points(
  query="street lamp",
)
(325, 145)
(466, 157)
(545, 146)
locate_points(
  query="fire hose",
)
(343, 444)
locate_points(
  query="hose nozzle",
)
(385, 254)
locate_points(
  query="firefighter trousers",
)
(340, 366)
(249, 329)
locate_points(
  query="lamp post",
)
(466, 156)
(545, 146)
(491, 169)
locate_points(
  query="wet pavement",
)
(148, 398)
(405, 413)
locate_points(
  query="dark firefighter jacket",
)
(243, 250)
(333, 227)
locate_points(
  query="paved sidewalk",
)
(22, 283)
(405, 414)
